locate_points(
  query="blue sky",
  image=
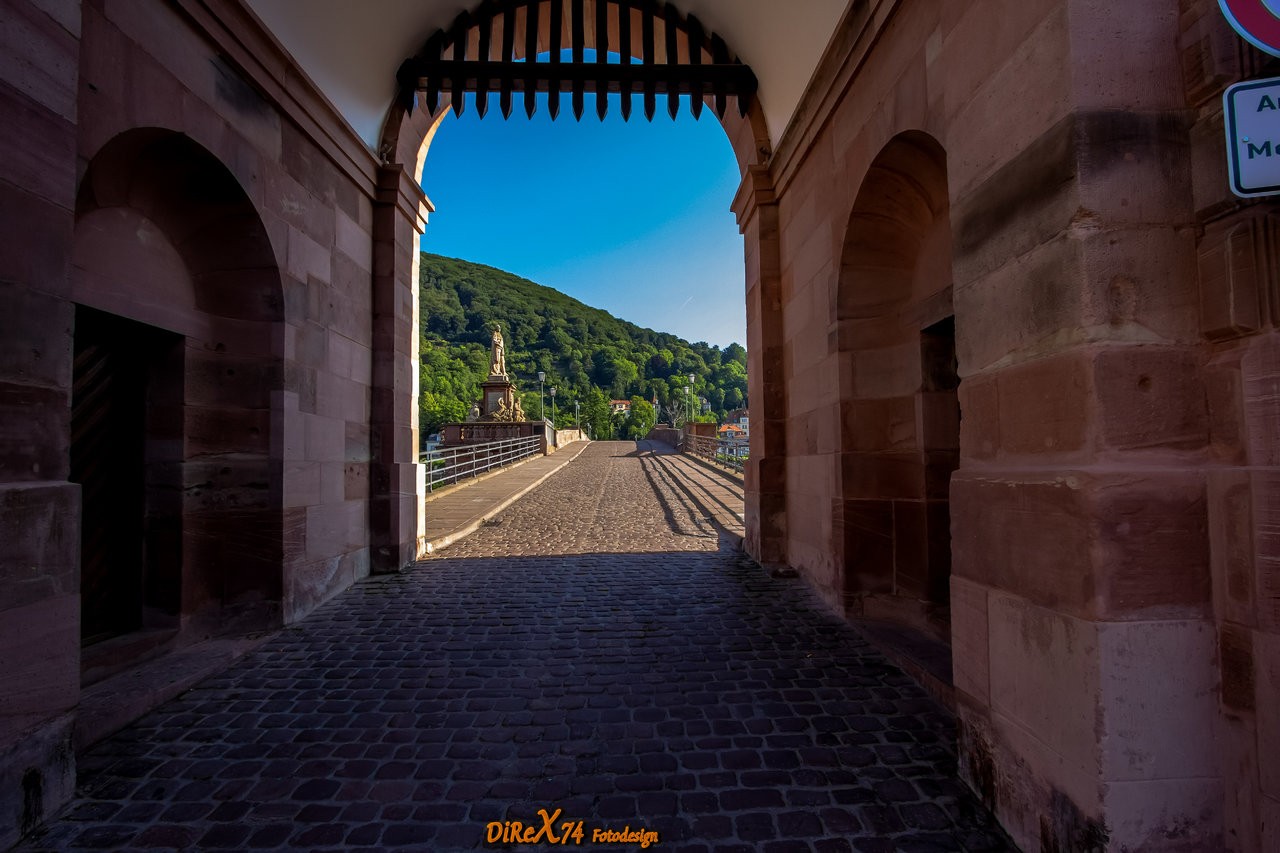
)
(629, 217)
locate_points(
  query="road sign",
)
(1251, 113)
(1257, 22)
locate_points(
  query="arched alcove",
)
(175, 395)
(899, 430)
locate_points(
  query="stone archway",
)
(400, 218)
(900, 427)
(178, 340)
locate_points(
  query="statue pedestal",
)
(476, 432)
(496, 394)
(497, 415)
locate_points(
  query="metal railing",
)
(730, 454)
(448, 465)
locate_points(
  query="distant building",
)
(620, 406)
(733, 439)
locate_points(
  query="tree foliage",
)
(587, 354)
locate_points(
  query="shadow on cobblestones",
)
(688, 694)
(682, 691)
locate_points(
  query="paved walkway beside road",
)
(459, 510)
(597, 653)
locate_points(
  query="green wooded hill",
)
(587, 354)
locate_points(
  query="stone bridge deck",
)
(599, 648)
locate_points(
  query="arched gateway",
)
(505, 47)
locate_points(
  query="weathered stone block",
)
(887, 371)
(1266, 657)
(220, 379)
(37, 776)
(35, 337)
(1046, 679)
(980, 418)
(1260, 371)
(34, 425)
(356, 481)
(1019, 310)
(38, 146)
(1237, 740)
(1235, 658)
(865, 530)
(298, 206)
(39, 662)
(1234, 267)
(1139, 282)
(1231, 545)
(1119, 546)
(307, 259)
(244, 294)
(220, 430)
(1223, 399)
(881, 424)
(122, 261)
(881, 476)
(1133, 163)
(1269, 821)
(1027, 536)
(1122, 56)
(40, 529)
(1177, 815)
(911, 550)
(1266, 537)
(301, 483)
(970, 640)
(1157, 701)
(1152, 545)
(1045, 405)
(987, 126)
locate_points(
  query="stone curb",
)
(439, 542)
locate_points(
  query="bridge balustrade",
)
(448, 465)
(714, 450)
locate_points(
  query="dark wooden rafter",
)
(443, 64)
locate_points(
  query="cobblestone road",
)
(593, 652)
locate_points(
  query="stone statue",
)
(499, 367)
(474, 414)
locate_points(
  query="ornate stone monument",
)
(498, 400)
(498, 413)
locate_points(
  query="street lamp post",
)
(577, 423)
(542, 398)
(553, 407)
(690, 398)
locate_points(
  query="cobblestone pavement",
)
(619, 668)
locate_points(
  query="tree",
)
(438, 410)
(581, 349)
(596, 415)
(640, 420)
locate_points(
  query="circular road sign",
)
(1257, 22)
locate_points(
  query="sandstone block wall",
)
(162, 163)
(39, 563)
(1114, 323)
